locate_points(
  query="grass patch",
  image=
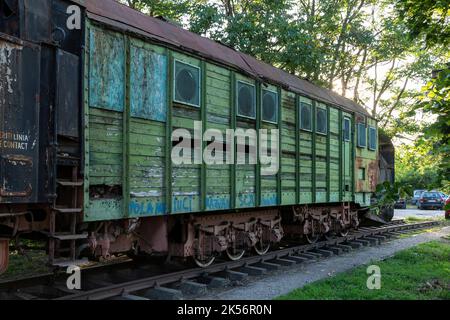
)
(419, 273)
(412, 233)
(417, 219)
(33, 263)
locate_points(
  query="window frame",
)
(347, 119)
(326, 120)
(253, 85)
(277, 104)
(362, 176)
(175, 83)
(301, 103)
(372, 128)
(365, 138)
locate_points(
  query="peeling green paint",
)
(148, 84)
(107, 69)
(130, 114)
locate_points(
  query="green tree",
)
(369, 50)
(173, 10)
(416, 165)
(426, 18)
(435, 102)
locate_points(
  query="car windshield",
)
(417, 193)
(431, 195)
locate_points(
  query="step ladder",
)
(56, 236)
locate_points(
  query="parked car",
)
(416, 196)
(443, 196)
(430, 200)
(400, 204)
(447, 212)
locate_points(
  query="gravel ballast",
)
(284, 281)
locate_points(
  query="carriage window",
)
(187, 84)
(246, 103)
(305, 116)
(270, 106)
(362, 135)
(346, 129)
(372, 138)
(321, 121)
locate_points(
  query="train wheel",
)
(4, 255)
(262, 247)
(344, 233)
(312, 238)
(235, 254)
(204, 262)
(204, 255)
(330, 235)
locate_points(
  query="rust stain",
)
(23, 194)
(373, 175)
(19, 159)
(370, 181)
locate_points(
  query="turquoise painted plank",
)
(107, 70)
(148, 84)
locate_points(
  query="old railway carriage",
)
(90, 94)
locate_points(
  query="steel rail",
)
(160, 280)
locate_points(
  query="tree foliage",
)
(435, 102)
(426, 18)
(376, 52)
(415, 165)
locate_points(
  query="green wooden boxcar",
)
(119, 93)
(131, 110)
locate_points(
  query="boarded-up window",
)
(246, 100)
(187, 84)
(347, 129)
(270, 106)
(148, 84)
(362, 135)
(305, 116)
(106, 70)
(321, 121)
(372, 138)
(362, 173)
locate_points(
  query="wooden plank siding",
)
(130, 114)
(218, 113)
(288, 148)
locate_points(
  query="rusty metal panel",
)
(9, 17)
(113, 13)
(107, 70)
(148, 84)
(36, 20)
(19, 126)
(67, 39)
(367, 175)
(67, 93)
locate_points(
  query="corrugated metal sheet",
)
(125, 18)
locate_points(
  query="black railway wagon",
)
(91, 93)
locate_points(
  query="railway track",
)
(144, 282)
